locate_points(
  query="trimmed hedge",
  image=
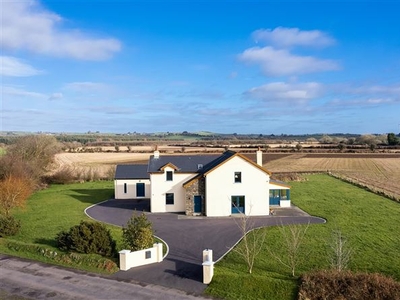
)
(71, 259)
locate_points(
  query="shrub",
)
(64, 175)
(87, 237)
(9, 226)
(138, 234)
(347, 285)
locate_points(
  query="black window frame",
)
(169, 176)
(169, 199)
(238, 177)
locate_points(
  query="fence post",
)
(208, 266)
(159, 251)
(124, 260)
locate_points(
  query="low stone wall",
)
(129, 259)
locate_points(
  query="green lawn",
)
(370, 222)
(52, 210)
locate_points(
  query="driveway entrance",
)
(186, 237)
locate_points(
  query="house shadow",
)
(139, 205)
(92, 196)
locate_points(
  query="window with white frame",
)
(169, 175)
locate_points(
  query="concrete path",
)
(187, 237)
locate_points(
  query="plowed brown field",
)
(381, 171)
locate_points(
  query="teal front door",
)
(140, 189)
(274, 197)
(198, 203)
(238, 204)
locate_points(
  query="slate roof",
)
(184, 163)
(131, 172)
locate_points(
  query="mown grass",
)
(370, 223)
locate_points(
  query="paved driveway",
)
(186, 237)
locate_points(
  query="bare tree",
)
(14, 192)
(288, 255)
(29, 157)
(251, 244)
(340, 251)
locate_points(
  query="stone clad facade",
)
(195, 188)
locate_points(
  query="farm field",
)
(380, 171)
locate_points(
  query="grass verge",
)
(370, 222)
(55, 209)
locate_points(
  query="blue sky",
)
(270, 67)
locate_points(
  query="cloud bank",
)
(28, 26)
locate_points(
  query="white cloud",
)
(287, 37)
(55, 96)
(11, 66)
(22, 93)
(376, 89)
(13, 91)
(27, 25)
(365, 95)
(282, 91)
(282, 62)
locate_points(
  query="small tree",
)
(392, 139)
(14, 192)
(341, 146)
(138, 233)
(299, 147)
(339, 252)
(288, 255)
(251, 244)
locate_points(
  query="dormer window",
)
(169, 175)
(238, 177)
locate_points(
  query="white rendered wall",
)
(160, 186)
(128, 259)
(220, 186)
(131, 188)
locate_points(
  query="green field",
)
(370, 223)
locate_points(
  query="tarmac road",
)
(22, 279)
(187, 237)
